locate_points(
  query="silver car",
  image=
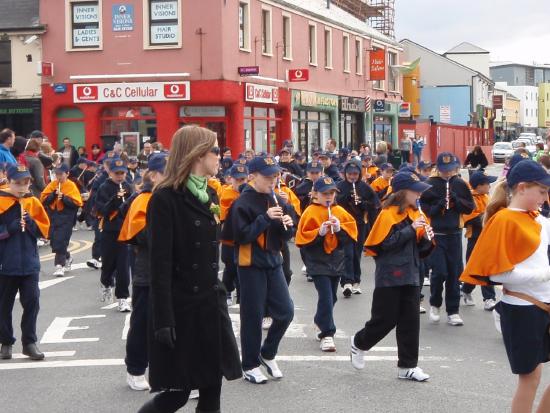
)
(501, 151)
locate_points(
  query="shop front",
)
(352, 121)
(20, 115)
(315, 120)
(385, 117)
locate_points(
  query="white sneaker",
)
(327, 345)
(468, 300)
(496, 317)
(266, 323)
(304, 270)
(68, 264)
(106, 295)
(229, 299)
(347, 290)
(415, 374)
(422, 310)
(255, 376)
(426, 282)
(356, 289)
(59, 271)
(124, 306)
(434, 314)
(194, 395)
(40, 243)
(93, 263)
(356, 356)
(455, 320)
(75, 228)
(138, 383)
(489, 304)
(272, 368)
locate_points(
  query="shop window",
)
(260, 129)
(311, 129)
(328, 48)
(345, 52)
(5, 63)
(287, 37)
(84, 25)
(392, 76)
(162, 23)
(267, 48)
(209, 117)
(244, 26)
(70, 124)
(120, 121)
(313, 44)
(359, 56)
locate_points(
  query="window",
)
(312, 44)
(526, 112)
(548, 113)
(392, 78)
(345, 52)
(358, 56)
(328, 48)
(244, 26)
(85, 25)
(5, 63)
(164, 23)
(266, 32)
(287, 37)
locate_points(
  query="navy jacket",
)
(108, 203)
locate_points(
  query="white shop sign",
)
(86, 37)
(164, 10)
(131, 92)
(261, 93)
(86, 13)
(164, 33)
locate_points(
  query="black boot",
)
(5, 352)
(31, 350)
(149, 407)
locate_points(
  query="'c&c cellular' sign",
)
(261, 93)
(131, 92)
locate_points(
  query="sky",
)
(517, 31)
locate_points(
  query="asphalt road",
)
(85, 347)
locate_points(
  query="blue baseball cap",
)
(81, 160)
(117, 165)
(63, 168)
(517, 158)
(299, 156)
(157, 162)
(481, 178)
(109, 157)
(408, 180)
(265, 166)
(238, 171)
(324, 184)
(325, 154)
(447, 162)
(425, 165)
(528, 171)
(386, 166)
(226, 163)
(352, 167)
(314, 167)
(241, 161)
(16, 172)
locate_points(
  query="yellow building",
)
(411, 90)
(544, 105)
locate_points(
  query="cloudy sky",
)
(511, 30)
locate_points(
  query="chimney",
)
(328, 4)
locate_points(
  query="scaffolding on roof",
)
(384, 20)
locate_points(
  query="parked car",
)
(501, 151)
(529, 145)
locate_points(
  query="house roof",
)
(19, 14)
(336, 16)
(442, 56)
(467, 48)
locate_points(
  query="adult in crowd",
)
(18, 150)
(7, 139)
(286, 162)
(331, 147)
(192, 342)
(381, 153)
(417, 147)
(144, 155)
(35, 166)
(96, 153)
(82, 153)
(69, 153)
(476, 159)
(405, 146)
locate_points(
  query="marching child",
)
(62, 199)
(512, 250)
(382, 183)
(3, 178)
(480, 183)
(22, 221)
(401, 235)
(323, 232)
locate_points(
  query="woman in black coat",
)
(192, 344)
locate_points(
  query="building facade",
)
(517, 74)
(529, 104)
(544, 105)
(139, 69)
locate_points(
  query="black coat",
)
(187, 294)
(61, 222)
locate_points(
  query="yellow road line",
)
(74, 248)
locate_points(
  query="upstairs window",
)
(359, 56)
(5, 63)
(313, 44)
(287, 37)
(164, 23)
(267, 48)
(345, 52)
(85, 25)
(244, 26)
(328, 48)
(392, 78)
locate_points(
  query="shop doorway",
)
(126, 122)
(260, 129)
(313, 130)
(209, 117)
(217, 126)
(70, 124)
(382, 129)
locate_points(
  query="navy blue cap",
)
(238, 171)
(325, 154)
(82, 160)
(299, 156)
(91, 163)
(352, 167)
(110, 156)
(408, 180)
(241, 161)
(425, 165)
(285, 149)
(481, 178)
(117, 165)
(405, 165)
(517, 158)
(63, 168)
(16, 172)
(314, 167)
(324, 184)
(447, 162)
(264, 165)
(157, 162)
(344, 152)
(226, 163)
(528, 171)
(386, 166)
(133, 159)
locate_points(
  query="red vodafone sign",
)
(298, 75)
(131, 92)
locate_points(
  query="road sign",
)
(298, 75)
(249, 70)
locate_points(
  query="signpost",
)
(379, 105)
(249, 70)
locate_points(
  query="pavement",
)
(84, 370)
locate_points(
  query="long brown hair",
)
(500, 198)
(396, 199)
(188, 145)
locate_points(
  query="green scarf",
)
(197, 186)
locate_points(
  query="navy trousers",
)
(326, 287)
(137, 357)
(354, 253)
(114, 262)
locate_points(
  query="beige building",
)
(507, 118)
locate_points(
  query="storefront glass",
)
(209, 117)
(312, 129)
(260, 129)
(118, 119)
(382, 129)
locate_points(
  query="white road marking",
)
(115, 304)
(48, 354)
(48, 283)
(126, 326)
(60, 325)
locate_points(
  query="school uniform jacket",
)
(367, 209)
(107, 204)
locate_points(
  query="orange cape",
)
(314, 216)
(481, 201)
(507, 239)
(135, 219)
(379, 184)
(292, 199)
(32, 205)
(68, 188)
(387, 218)
(227, 197)
(215, 184)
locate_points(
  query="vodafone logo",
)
(250, 92)
(175, 90)
(86, 93)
